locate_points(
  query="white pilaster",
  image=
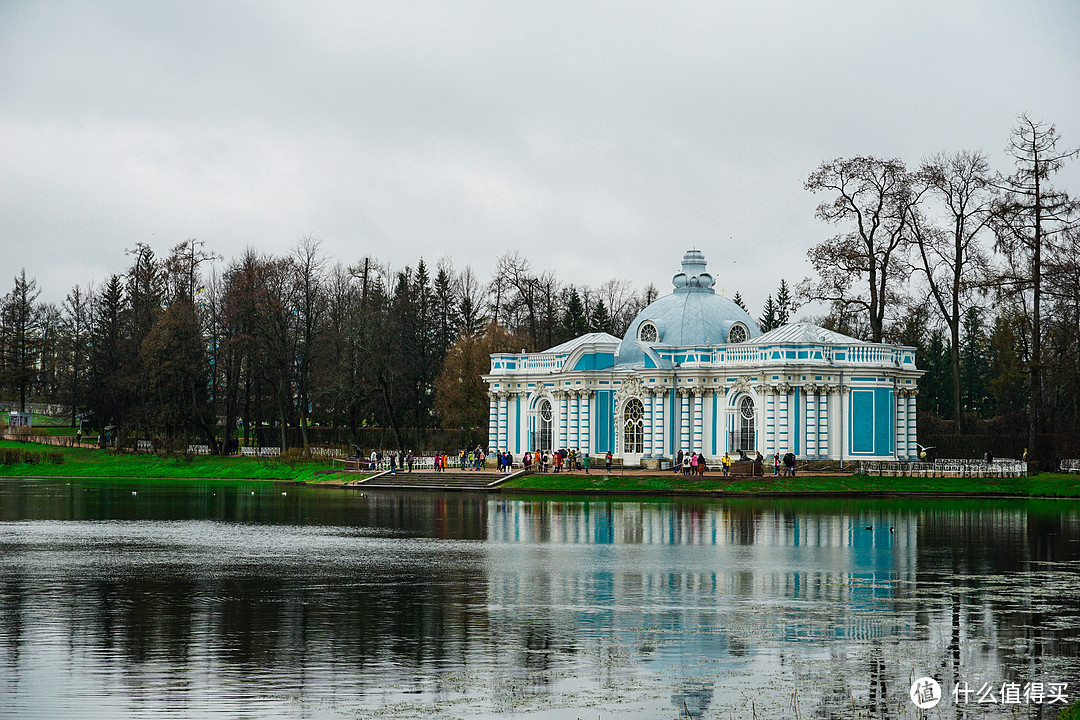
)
(648, 402)
(783, 423)
(493, 420)
(912, 440)
(583, 418)
(900, 431)
(684, 424)
(504, 429)
(810, 425)
(824, 396)
(561, 398)
(698, 419)
(659, 446)
(575, 419)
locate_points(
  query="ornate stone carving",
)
(741, 385)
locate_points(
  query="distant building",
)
(694, 372)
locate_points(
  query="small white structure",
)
(20, 422)
(694, 372)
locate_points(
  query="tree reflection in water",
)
(211, 599)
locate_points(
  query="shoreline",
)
(101, 465)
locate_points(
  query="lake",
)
(215, 599)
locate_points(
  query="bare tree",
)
(1031, 219)
(948, 254)
(872, 198)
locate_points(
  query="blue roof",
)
(693, 314)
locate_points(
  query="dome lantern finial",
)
(693, 275)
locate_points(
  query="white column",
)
(575, 419)
(698, 419)
(684, 426)
(584, 408)
(900, 430)
(659, 447)
(810, 425)
(561, 397)
(648, 403)
(783, 423)
(823, 420)
(912, 440)
(845, 423)
(493, 420)
(504, 425)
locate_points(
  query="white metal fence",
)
(945, 468)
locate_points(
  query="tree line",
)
(977, 268)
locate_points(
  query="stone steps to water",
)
(428, 480)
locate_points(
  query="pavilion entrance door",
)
(744, 436)
(540, 437)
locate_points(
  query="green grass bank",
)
(1045, 485)
(93, 463)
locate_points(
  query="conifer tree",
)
(769, 319)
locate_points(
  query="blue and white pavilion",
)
(694, 372)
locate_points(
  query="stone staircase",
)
(427, 480)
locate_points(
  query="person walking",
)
(725, 463)
(607, 462)
(686, 464)
(586, 462)
(776, 464)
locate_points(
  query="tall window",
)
(746, 424)
(542, 435)
(634, 427)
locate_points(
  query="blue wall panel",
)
(884, 421)
(605, 424)
(862, 421)
(595, 361)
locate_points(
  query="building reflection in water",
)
(505, 605)
(843, 600)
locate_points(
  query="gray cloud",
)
(599, 139)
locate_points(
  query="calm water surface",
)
(252, 600)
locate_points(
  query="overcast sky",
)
(597, 139)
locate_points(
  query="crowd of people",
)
(565, 460)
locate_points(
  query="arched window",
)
(634, 427)
(647, 332)
(744, 437)
(541, 439)
(737, 334)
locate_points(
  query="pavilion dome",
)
(693, 314)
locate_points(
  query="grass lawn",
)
(37, 419)
(84, 462)
(1045, 485)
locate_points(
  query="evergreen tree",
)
(785, 304)
(769, 319)
(738, 300)
(574, 323)
(974, 363)
(20, 340)
(601, 319)
(108, 387)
